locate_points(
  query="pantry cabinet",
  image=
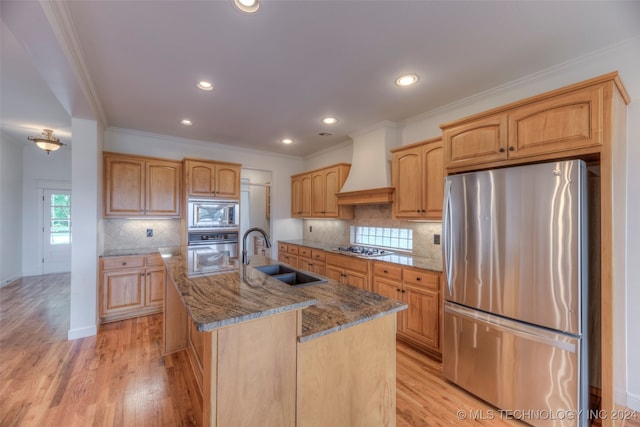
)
(137, 186)
(213, 180)
(418, 178)
(313, 193)
(131, 286)
(420, 324)
(563, 123)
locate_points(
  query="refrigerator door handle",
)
(447, 224)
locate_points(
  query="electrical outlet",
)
(436, 239)
(149, 232)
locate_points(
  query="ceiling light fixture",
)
(248, 6)
(407, 80)
(47, 142)
(186, 122)
(205, 85)
(287, 141)
(329, 120)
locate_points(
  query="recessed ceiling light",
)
(329, 120)
(205, 85)
(186, 122)
(248, 6)
(407, 80)
(287, 141)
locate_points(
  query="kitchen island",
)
(269, 354)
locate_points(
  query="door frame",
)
(42, 186)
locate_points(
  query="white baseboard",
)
(78, 333)
(8, 280)
(633, 401)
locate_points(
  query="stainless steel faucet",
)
(245, 259)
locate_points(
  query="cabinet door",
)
(200, 178)
(154, 287)
(332, 186)
(433, 182)
(163, 188)
(393, 290)
(407, 180)
(306, 195)
(124, 186)
(296, 197)
(227, 182)
(318, 198)
(122, 290)
(335, 273)
(357, 279)
(292, 260)
(481, 141)
(564, 122)
(421, 319)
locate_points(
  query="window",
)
(395, 238)
(60, 225)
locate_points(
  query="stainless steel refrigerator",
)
(515, 262)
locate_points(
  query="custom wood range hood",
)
(369, 180)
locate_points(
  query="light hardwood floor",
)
(119, 378)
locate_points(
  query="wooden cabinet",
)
(348, 270)
(288, 254)
(301, 196)
(313, 194)
(139, 186)
(130, 286)
(562, 123)
(313, 260)
(418, 178)
(420, 324)
(211, 179)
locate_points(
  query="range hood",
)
(369, 180)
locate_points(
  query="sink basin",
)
(290, 276)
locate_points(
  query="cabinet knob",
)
(141, 274)
(403, 291)
(501, 149)
(124, 263)
(423, 211)
(418, 210)
(398, 290)
(385, 271)
(512, 148)
(418, 279)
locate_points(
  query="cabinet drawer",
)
(154, 260)
(291, 249)
(421, 277)
(282, 248)
(305, 252)
(348, 262)
(114, 263)
(386, 270)
(318, 255)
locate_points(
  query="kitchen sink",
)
(290, 276)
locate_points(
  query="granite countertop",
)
(223, 299)
(129, 252)
(407, 260)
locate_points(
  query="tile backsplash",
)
(338, 231)
(132, 233)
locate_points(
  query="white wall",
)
(625, 58)
(281, 167)
(39, 170)
(341, 153)
(10, 209)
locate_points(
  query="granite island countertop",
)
(400, 258)
(224, 299)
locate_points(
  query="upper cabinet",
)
(563, 123)
(218, 180)
(418, 177)
(313, 194)
(140, 186)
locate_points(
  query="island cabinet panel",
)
(137, 186)
(175, 325)
(130, 286)
(417, 173)
(349, 270)
(356, 368)
(210, 179)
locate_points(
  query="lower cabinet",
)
(130, 286)
(349, 270)
(313, 260)
(288, 254)
(420, 324)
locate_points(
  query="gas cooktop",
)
(362, 251)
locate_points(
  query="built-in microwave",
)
(212, 214)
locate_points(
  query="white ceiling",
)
(278, 72)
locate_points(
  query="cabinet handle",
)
(403, 291)
(418, 210)
(423, 211)
(124, 263)
(385, 271)
(418, 279)
(512, 148)
(398, 290)
(141, 274)
(501, 149)
(149, 274)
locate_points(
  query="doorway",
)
(56, 231)
(255, 208)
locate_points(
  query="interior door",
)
(56, 231)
